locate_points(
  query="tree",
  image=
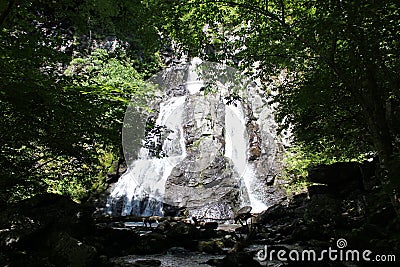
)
(63, 100)
(340, 63)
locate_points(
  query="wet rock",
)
(147, 263)
(205, 181)
(149, 220)
(163, 226)
(151, 243)
(212, 246)
(137, 263)
(212, 192)
(170, 210)
(243, 214)
(273, 213)
(179, 90)
(254, 140)
(208, 225)
(240, 259)
(182, 231)
(262, 131)
(66, 250)
(274, 195)
(255, 152)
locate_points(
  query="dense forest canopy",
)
(340, 84)
(67, 76)
(339, 58)
(68, 69)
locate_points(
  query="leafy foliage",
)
(298, 160)
(62, 100)
(330, 66)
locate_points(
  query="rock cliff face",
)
(206, 151)
(205, 181)
(265, 147)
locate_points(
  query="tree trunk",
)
(374, 108)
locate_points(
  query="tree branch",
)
(286, 27)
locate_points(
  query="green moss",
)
(298, 160)
(196, 143)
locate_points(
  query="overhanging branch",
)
(287, 28)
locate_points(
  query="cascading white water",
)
(141, 190)
(236, 148)
(142, 187)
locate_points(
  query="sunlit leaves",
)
(340, 59)
(62, 101)
(106, 76)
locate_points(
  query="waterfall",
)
(196, 152)
(141, 188)
(236, 148)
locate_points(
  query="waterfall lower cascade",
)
(203, 155)
(236, 142)
(141, 188)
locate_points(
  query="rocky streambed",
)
(51, 230)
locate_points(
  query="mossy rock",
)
(212, 246)
(68, 251)
(151, 243)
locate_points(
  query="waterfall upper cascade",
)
(204, 152)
